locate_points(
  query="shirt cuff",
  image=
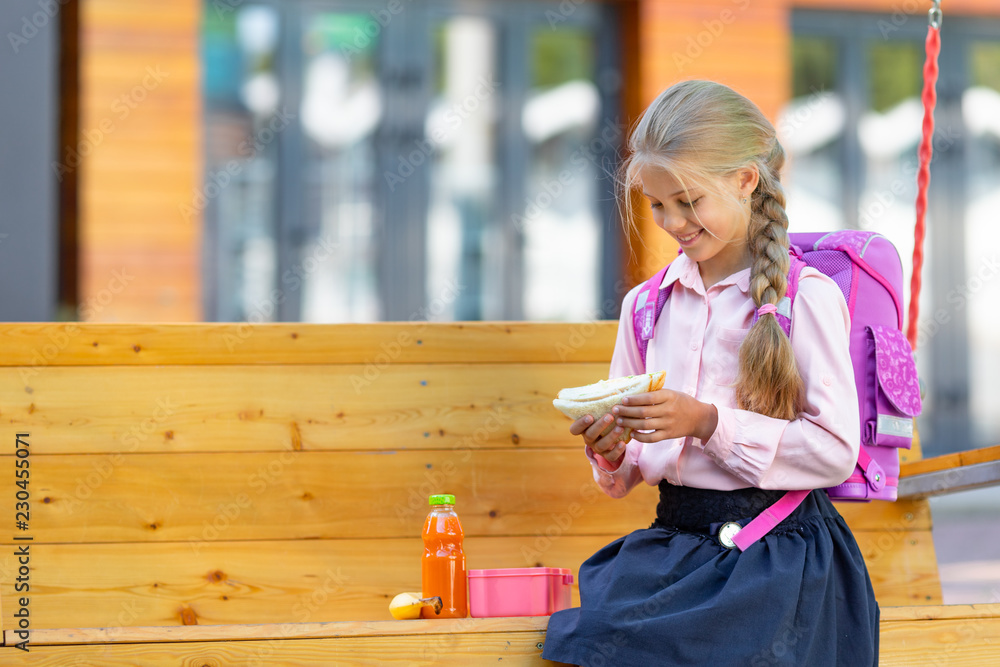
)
(719, 446)
(615, 465)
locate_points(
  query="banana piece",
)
(408, 605)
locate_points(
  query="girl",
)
(745, 414)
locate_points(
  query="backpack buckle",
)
(875, 475)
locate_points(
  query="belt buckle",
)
(727, 532)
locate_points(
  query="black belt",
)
(705, 511)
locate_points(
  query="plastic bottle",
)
(443, 566)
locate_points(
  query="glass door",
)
(437, 160)
(523, 119)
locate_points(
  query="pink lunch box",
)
(519, 591)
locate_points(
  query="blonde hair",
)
(699, 132)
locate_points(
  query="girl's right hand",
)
(609, 446)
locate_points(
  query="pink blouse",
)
(696, 342)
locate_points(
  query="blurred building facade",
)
(361, 160)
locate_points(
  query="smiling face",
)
(709, 223)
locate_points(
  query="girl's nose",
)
(673, 222)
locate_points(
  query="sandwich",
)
(598, 398)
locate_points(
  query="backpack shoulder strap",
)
(649, 304)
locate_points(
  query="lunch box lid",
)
(522, 572)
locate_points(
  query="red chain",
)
(933, 48)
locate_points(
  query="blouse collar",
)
(685, 270)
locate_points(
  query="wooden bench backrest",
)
(209, 474)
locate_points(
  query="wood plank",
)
(936, 612)
(902, 566)
(25, 344)
(189, 633)
(949, 642)
(193, 633)
(151, 121)
(275, 408)
(132, 15)
(192, 499)
(161, 202)
(140, 42)
(949, 461)
(968, 642)
(173, 166)
(301, 581)
(471, 649)
(107, 67)
(883, 515)
(164, 164)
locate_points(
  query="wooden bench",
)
(236, 494)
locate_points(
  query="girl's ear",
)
(747, 179)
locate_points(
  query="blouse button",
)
(827, 381)
(694, 347)
(689, 391)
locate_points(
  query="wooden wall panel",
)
(294, 581)
(140, 103)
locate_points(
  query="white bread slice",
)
(598, 398)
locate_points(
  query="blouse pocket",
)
(725, 363)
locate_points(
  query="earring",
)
(744, 200)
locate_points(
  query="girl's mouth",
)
(690, 238)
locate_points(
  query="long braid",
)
(768, 380)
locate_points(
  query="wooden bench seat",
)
(193, 486)
(918, 635)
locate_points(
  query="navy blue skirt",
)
(671, 594)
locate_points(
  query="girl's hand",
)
(608, 446)
(667, 414)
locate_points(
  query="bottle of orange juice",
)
(444, 561)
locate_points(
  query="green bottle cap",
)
(442, 499)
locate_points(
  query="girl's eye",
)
(655, 205)
(690, 204)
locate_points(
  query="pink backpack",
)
(868, 271)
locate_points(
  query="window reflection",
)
(341, 108)
(811, 129)
(560, 224)
(465, 276)
(462, 147)
(889, 135)
(242, 96)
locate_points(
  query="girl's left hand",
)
(666, 414)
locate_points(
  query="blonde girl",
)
(746, 414)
